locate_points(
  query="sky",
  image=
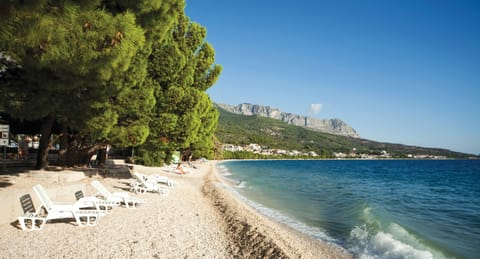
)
(405, 71)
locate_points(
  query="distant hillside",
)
(333, 126)
(240, 129)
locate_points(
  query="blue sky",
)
(397, 71)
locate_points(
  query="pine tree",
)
(184, 118)
(81, 63)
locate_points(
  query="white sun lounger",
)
(159, 179)
(121, 197)
(65, 210)
(30, 220)
(90, 201)
(150, 186)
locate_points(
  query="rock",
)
(332, 126)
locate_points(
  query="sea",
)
(371, 208)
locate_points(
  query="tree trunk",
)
(46, 131)
(80, 158)
(101, 157)
(62, 153)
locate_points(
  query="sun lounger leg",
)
(91, 218)
(33, 218)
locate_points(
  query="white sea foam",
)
(226, 175)
(242, 184)
(400, 222)
(383, 244)
(365, 242)
(223, 170)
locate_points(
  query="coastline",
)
(198, 218)
(255, 235)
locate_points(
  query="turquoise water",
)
(374, 209)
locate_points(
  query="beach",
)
(198, 218)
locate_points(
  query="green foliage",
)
(240, 155)
(114, 71)
(156, 16)
(251, 155)
(134, 105)
(65, 49)
(242, 130)
(184, 118)
(87, 60)
(204, 146)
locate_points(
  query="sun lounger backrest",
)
(42, 195)
(27, 203)
(79, 195)
(139, 178)
(100, 188)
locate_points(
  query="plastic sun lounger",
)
(159, 179)
(136, 187)
(99, 204)
(30, 220)
(150, 186)
(122, 197)
(64, 210)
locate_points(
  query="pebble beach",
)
(198, 218)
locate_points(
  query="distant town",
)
(353, 154)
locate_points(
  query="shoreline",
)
(257, 235)
(198, 218)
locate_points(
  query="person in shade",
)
(23, 148)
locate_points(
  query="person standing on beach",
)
(107, 151)
(23, 148)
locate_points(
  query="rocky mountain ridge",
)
(332, 126)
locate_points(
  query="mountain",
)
(272, 133)
(333, 126)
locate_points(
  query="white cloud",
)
(315, 108)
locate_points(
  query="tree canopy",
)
(96, 69)
(184, 117)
